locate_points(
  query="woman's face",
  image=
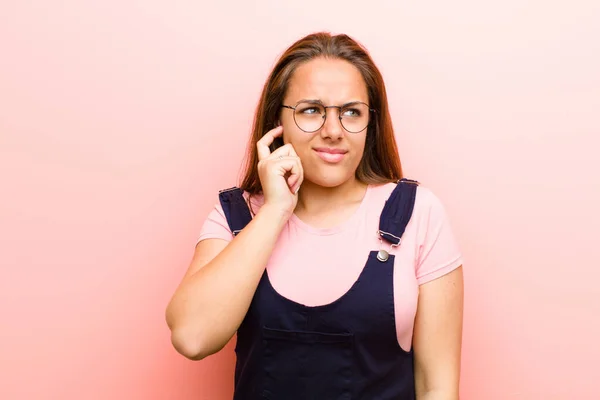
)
(330, 155)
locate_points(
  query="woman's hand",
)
(280, 173)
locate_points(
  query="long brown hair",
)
(380, 162)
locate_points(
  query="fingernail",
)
(296, 191)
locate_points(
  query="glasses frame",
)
(371, 110)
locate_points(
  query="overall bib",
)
(344, 350)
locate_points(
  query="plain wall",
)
(120, 121)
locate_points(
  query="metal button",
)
(382, 255)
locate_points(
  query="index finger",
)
(262, 146)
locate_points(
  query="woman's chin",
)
(330, 178)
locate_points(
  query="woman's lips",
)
(331, 155)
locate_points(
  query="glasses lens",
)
(355, 117)
(309, 116)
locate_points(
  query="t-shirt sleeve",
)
(438, 252)
(215, 226)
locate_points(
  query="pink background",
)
(120, 120)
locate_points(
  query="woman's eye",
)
(351, 112)
(311, 110)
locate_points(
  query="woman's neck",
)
(314, 199)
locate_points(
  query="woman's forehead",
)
(330, 81)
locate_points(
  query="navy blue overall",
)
(344, 350)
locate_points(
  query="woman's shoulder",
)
(215, 224)
(425, 199)
(253, 200)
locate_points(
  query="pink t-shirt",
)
(315, 266)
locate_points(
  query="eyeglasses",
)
(310, 116)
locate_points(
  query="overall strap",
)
(235, 209)
(396, 214)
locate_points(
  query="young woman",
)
(341, 278)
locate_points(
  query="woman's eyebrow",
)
(317, 101)
(310, 101)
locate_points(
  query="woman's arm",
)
(213, 298)
(437, 337)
